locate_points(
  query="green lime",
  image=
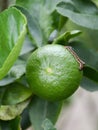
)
(53, 72)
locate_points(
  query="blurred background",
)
(81, 113)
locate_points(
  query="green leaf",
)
(83, 13)
(39, 22)
(65, 37)
(34, 29)
(15, 123)
(41, 109)
(52, 36)
(18, 93)
(90, 73)
(25, 119)
(12, 33)
(2, 90)
(7, 80)
(10, 125)
(90, 79)
(9, 112)
(14, 74)
(47, 125)
(89, 85)
(50, 4)
(27, 46)
(17, 71)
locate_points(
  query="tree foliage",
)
(27, 25)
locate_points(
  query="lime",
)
(53, 72)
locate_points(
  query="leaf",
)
(12, 33)
(47, 125)
(65, 37)
(90, 79)
(2, 90)
(15, 73)
(86, 6)
(89, 84)
(41, 109)
(25, 120)
(90, 73)
(9, 112)
(39, 20)
(27, 46)
(10, 125)
(52, 36)
(15, 123)
(7, 80)
(50, 4)
(18, 93)
(83, 13)
(34, 29)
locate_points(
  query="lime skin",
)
(53, 72)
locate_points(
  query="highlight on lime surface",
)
(53, 72)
